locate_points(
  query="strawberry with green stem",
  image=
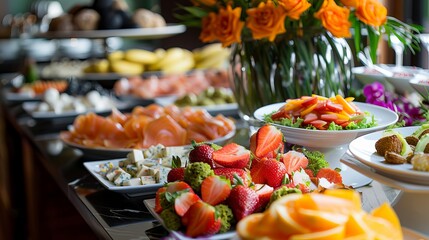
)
(268, 141)
(242, 200)
(177, 172)
(268, 171)
(202, 152)
(230, 172)
(201, 220)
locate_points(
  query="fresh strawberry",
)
(294, 161)
(243, 201)
(202, 153)
(184, 201)
(268, 142)
(229, 174)
(232, 155)
(158, 207)
(309, 172)
(177, 172)
(313, 178)
(178, 186)
(268, 171)
(200, 220)
(331, 175)
(215, 189)
(264, 194)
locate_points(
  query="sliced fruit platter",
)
(222, 185)
(147, 126)
(322, 113)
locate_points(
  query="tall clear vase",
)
(263, 72)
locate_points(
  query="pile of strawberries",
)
(235, 180)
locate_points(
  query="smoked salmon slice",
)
(164, 130)
(147, 126)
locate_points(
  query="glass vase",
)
(263, 72)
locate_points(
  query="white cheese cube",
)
(121, 177)
(110, 174)
(144, 171)
(132, 182)
(161, 174)
(132, 169)
(135, 155)
(147, 180)
(152, 162)
(104, 168)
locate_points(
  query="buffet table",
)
(54, 184)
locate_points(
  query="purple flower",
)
(376, 94)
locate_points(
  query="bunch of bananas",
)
(211, 56)
(172, 60)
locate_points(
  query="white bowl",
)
(332, 143)
(401, 78)
(420, 83)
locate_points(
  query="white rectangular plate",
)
(137, 190)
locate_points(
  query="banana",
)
(172, 56)
(116, 55)
(217, 60)
(126, 67)
(181, 66)
(207, 51)
(101, 66)
(160, 53)
(140, 56)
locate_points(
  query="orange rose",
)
(371, 12)
(204, 2)
(227, 26)
(334, 18)
(207, 32)
(294, 8)
(267, 20)
(349, 3)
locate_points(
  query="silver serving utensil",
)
(369, 64)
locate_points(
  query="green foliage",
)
(316, 160)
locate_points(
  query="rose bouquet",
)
(289, 48)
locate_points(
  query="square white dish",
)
(93, 168)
